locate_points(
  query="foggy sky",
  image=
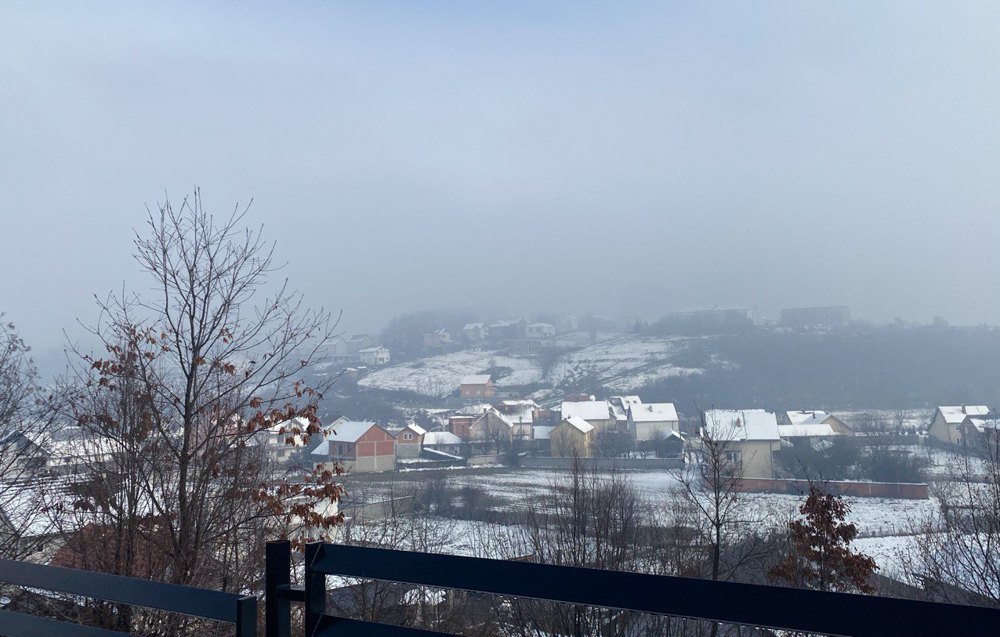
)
(619, 158)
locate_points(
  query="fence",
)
(901, 490)
(186, 600)
(725, 602)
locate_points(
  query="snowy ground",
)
(440, 375)
(885, 525)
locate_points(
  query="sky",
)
(617, 158)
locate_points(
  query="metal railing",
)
(185, 600)
(724, 602)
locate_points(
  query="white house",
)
(651, 421)
(750, 436)
(378, 355)
(540, 330)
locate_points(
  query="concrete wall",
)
(902, 490)
(651, 464)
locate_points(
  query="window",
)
(407, 436)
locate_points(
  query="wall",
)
(903, 490)
(603, 463)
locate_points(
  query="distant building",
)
(378, 355)
(521, 413)
(409, 441)
(359, 446)
(573, 437)
(475, 332)
(540, 330)
(619, 409)
(805, 424)
(751, 437)
(437, 338)
(477, 386)
(567, 323)
(711, 321)
(494, 427)
(507, 329)
(595, 412)
(346, 348)
(945, 427)
(652, 421)
(443, 441)
(833, 316)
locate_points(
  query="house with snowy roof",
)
(494, 427)
(437, 338)
(946, 425)
(360, 446)
(443, 441)
(539, 330)
(477, 386)
(573, 437)
(652, 421)
(378, 355)
(747, 437)
(811, 425)
(475, 332)
(619, 409)
(595, 412)
(409, 441)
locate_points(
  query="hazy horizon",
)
(577, 157)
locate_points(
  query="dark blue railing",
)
(724, 602)
(186, 600)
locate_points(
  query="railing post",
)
(315, 589)
(277, 573)
(246, 617)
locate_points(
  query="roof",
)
(955, 414)
(432, 438)
(350, 431)
(492, 410)
(538, 325)
(518, 411)
(587, 410)
(579, 423)
(476, 379)
(474, 410)
(741, 424)
(474, 326)
(653, 412)
(806, 417)
(811, 430)
(371, 350)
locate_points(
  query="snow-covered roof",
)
(496, 414)
(620, 404)
(741, 424)
(519, 411)
(371, 350)
(579, 423)
(474, 326)
(350, 430)
(982, 424)
(587, 410)
(474, 410)
(540, 432)
(653, 412)
(432, 438)
(806, 417)
(476, 379)
(541, 325)
(810, 430)
(955, 414)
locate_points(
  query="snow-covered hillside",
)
(618, 363)
(440, 375)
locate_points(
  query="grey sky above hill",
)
(620, 158)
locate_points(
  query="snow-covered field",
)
(620, 363)
(885, 525)
(440, 375)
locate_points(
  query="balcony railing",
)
(241, 611)
(724, 602)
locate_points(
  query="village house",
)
(539, 330)
(475, 332)
(595, 412)
(619, 409)
(460, 422)
(409, 441)
(652, 421)
(285, 438)
(443, 442)
(806, 425)
(437, 338)
(347, 348)
(567, 323)
(522, 413)
(572, 438)
(945, 426)
(378, 355)
(492, 427)
(748, 437)
(507, 329)
(359, 446)
(477, 386)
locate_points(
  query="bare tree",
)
(26, 422)
(190, 379)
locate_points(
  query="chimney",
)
(963, 409)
